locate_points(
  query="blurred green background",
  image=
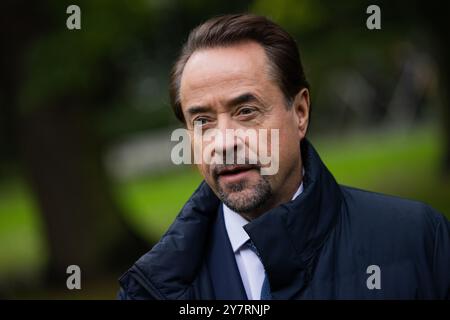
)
(85, 122)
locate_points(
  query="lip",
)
(233, 174)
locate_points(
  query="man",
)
(295, 234)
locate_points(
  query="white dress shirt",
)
(250, 267)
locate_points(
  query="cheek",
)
(289, 145)
(203, 169)
(206, 173)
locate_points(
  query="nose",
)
(226, 144)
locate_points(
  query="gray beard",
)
(242, 199)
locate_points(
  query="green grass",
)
(376, 161)
(395, 163)
(406, 165)
(153, 202)
(22, 244)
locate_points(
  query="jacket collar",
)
(287, 237)
(171, 266)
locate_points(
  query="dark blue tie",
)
(265, 289)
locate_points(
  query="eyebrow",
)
(243, 98)
(198, 109)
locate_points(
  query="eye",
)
(200, 121)
(246, 111)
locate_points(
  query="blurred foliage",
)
(116, 67)
(62, 63)
(118, 62)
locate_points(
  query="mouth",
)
(235, 173)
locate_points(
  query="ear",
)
(301, 110)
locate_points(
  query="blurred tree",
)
(55, 80)
(67, 94)
(436, 14)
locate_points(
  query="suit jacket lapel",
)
(224, 273)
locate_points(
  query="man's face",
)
(231, 88)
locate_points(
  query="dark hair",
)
(281, 50)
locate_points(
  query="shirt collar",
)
(234, 224)
(298, 192)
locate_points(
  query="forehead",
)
(220, 72)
